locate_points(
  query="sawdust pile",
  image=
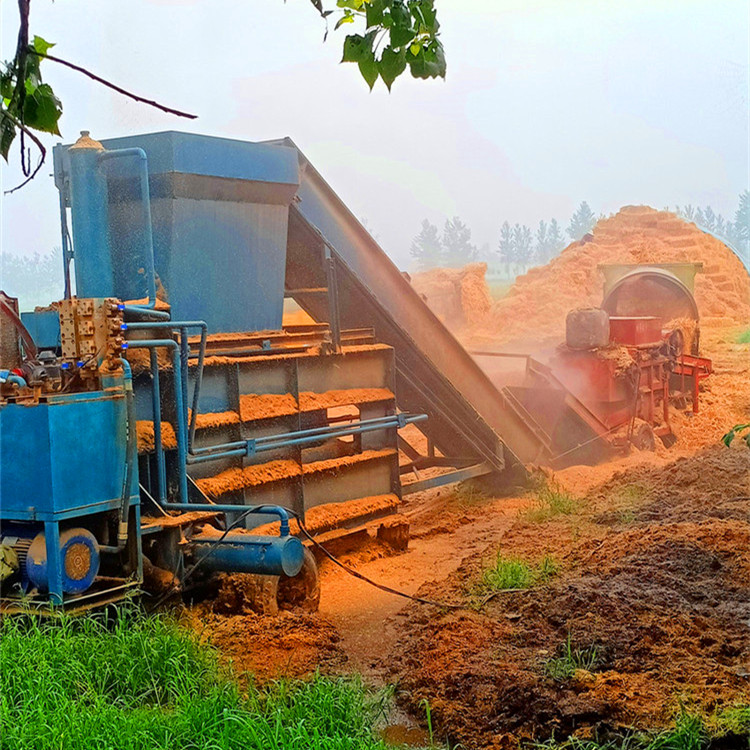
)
(147, 438)
(539, 301)
(265, 648)
(725, 395)
(458, 296)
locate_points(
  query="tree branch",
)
(19, 63)
(113, 86)
(37, 143)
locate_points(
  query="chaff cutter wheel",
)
(643, 437)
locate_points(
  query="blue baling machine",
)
(161, 422)
(135, 446)
(71, 487)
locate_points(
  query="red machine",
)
(611, 384)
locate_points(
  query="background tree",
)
(456, 241)
(34, 279)
(582, 222)
(720, 226)
(687, 212)
(554, 238)
(541, 246)
(742, 221)
(426, 247)
(506, 246)
(396, 35)
(709, 219)
(698, 217)
(523, 241)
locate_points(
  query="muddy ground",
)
(653, 576)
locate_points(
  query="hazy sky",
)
(546, 103)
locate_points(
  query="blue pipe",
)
(67, 255)
(161, 467)
(264, 555)
(143, 312)
(6, 376)
(274, 510)
(131, 456)
(180, 407)
(183, 326)
(273, 442)
(318, 432)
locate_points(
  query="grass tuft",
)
(562, 668)
(550, 500)
(744, 337)
(734, 720)
(688, 733)
(127, 682)
(513, 573)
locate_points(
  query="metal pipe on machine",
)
(244, 553)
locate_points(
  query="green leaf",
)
(368, 67)
(6, 85)
(732, 434)
(42, 110)
(400, 14)
(428, 15)
(7, 135)
(374, 13)
(391, 65)
(401, 31)
(401, 35)
(357, 46)
(429, 62)
(343, 20)
(353, 48)
(41, 45)
(353, 4)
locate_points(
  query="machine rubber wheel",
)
(301, 593)
(643, 436)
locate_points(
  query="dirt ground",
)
(653, 575)
(653, 569)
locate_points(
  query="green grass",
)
(562, 668)
(734, 719)
(514, 573)
(550, 501)
(688, 733)
(744, 337)
(129, 683)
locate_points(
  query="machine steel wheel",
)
(643, 436)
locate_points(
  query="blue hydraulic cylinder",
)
(246, 553)
(90, 215)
